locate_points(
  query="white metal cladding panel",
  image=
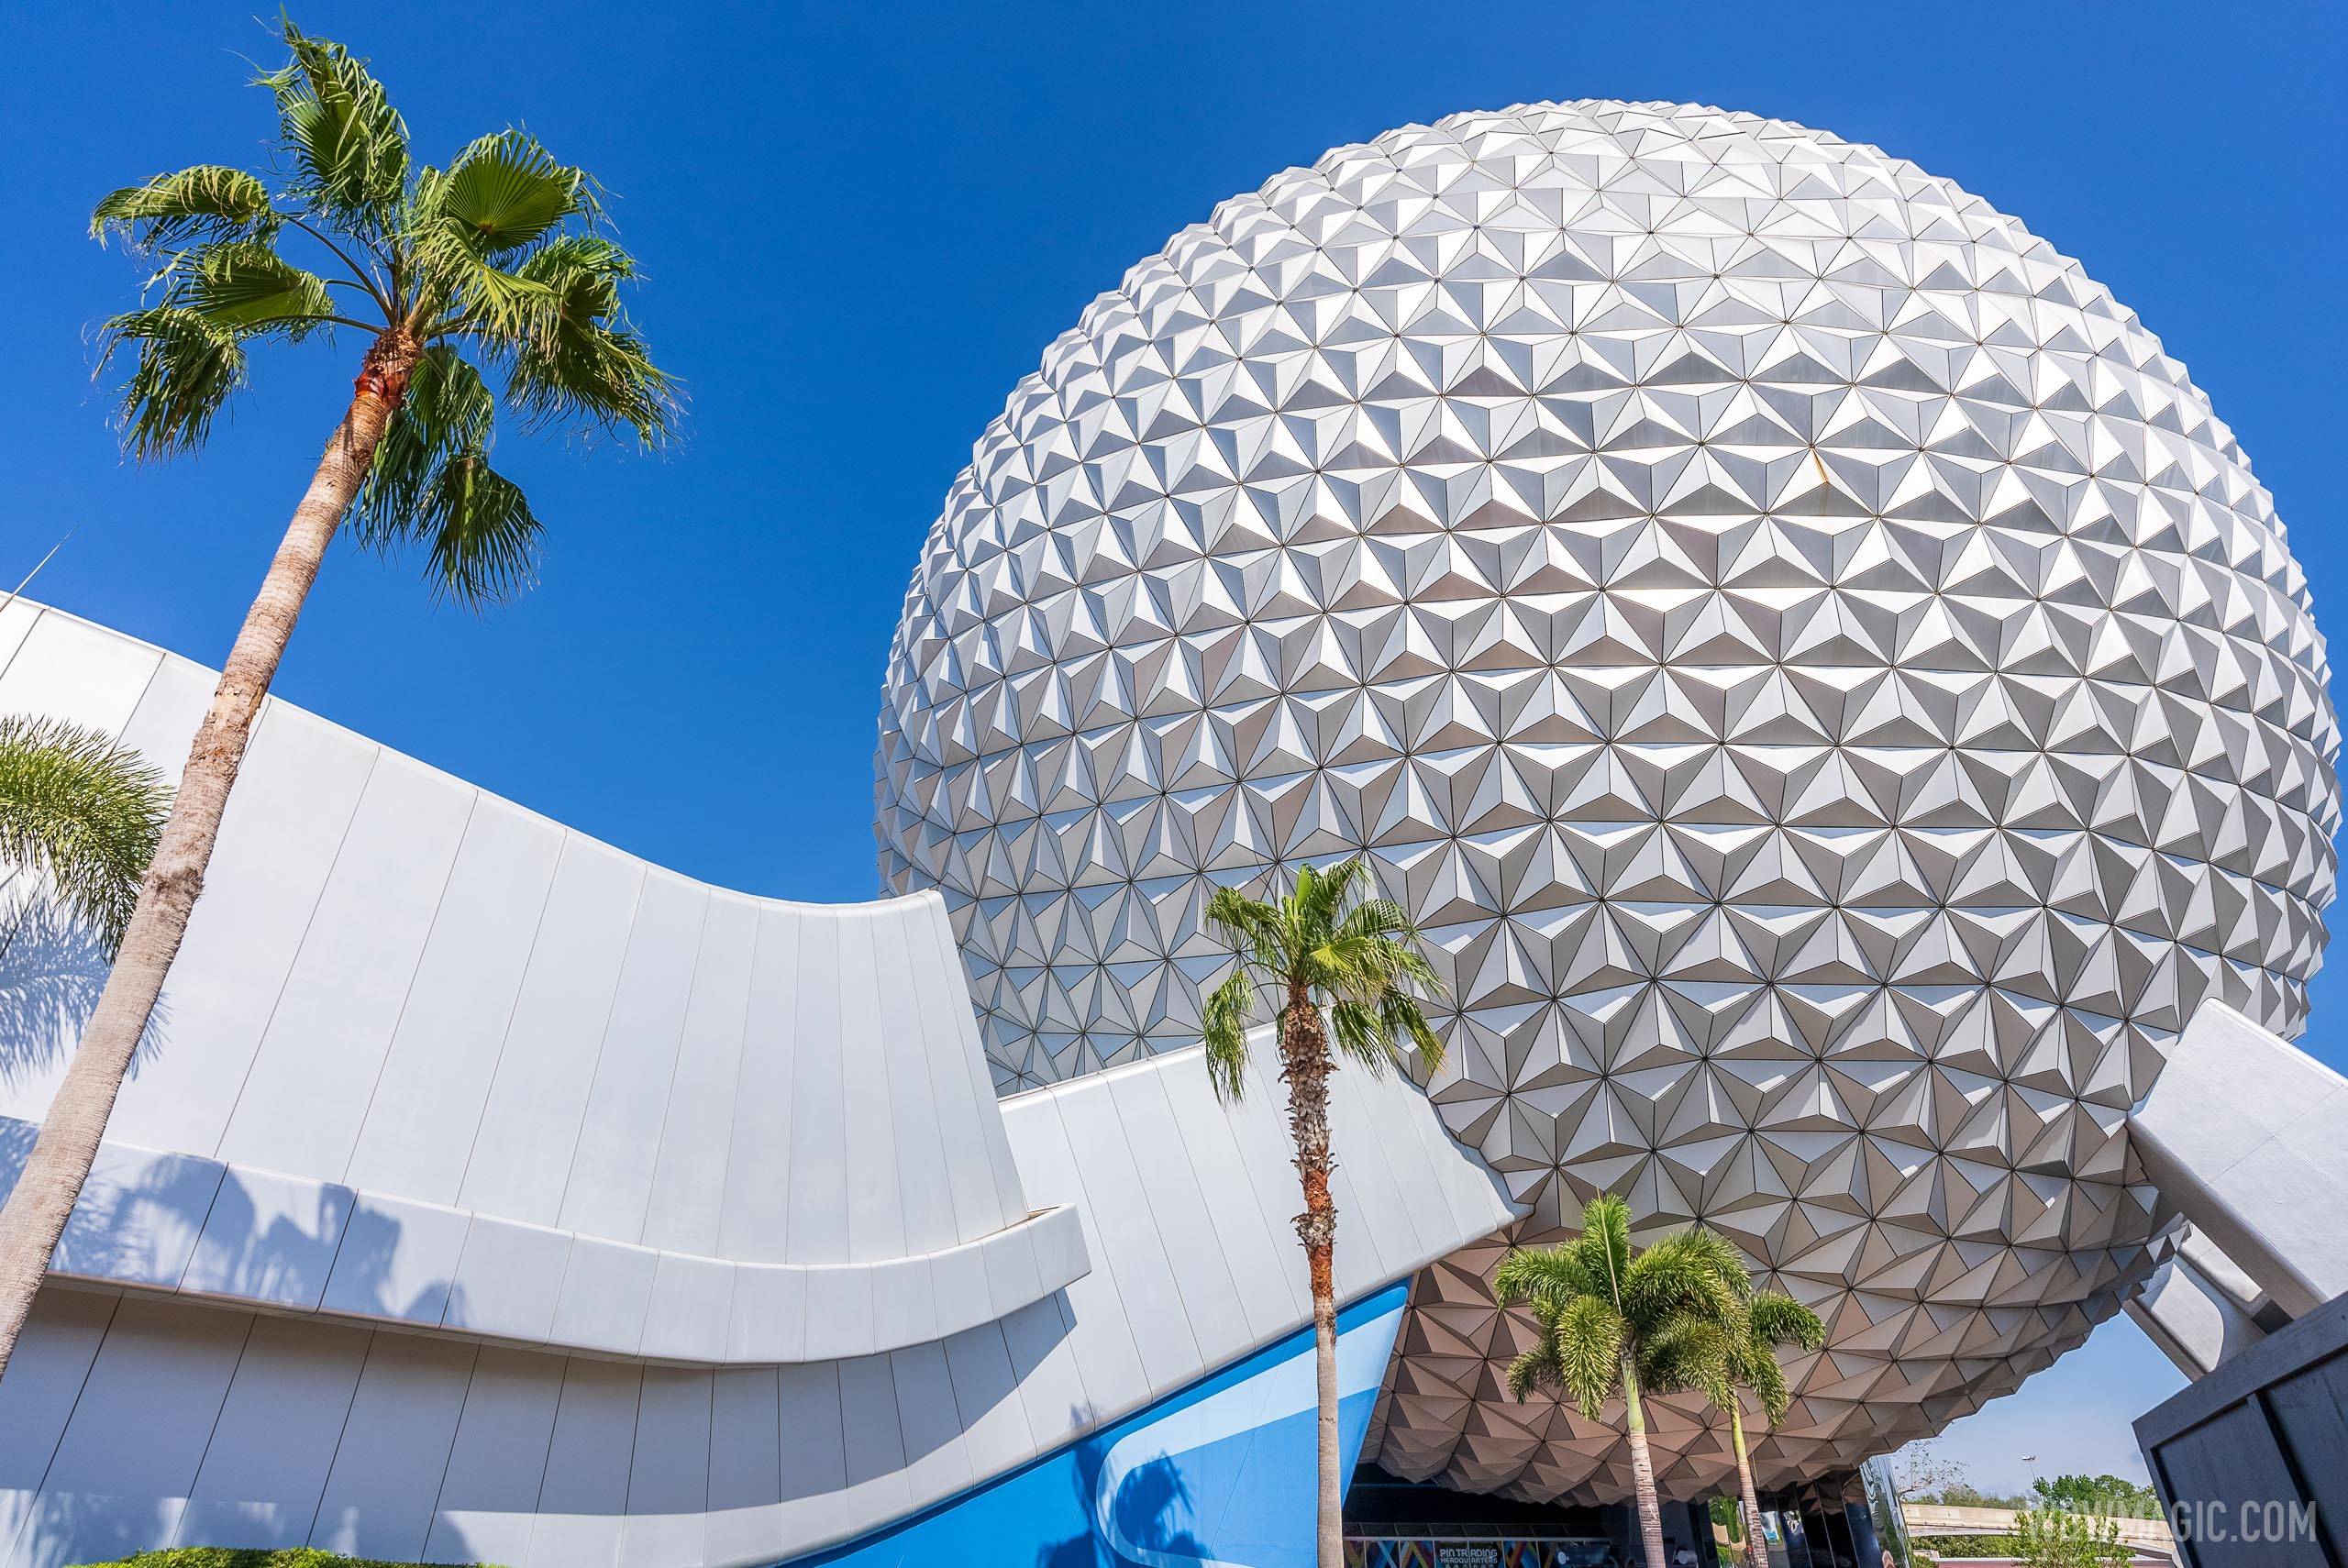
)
(67, 669)
(521, 1154)
(130, 1453)
(619, 1136)
(306, 1097)
(936, 1462)
(696, 1134)
(587, 1465)
(744, 1439)
(498, 1463)
(816, 1228)
(1041, 1342)
(394, 1450)
(427, 1106)
(924, 1181)
(752, 1225)
(278, 842)
(876, 1204)
(671, 1473)
(972, 1051)
(164, 724)
(265, 1466)
(1254, 1245)
(1178, 1211)
(1108, 1360)
(17, 617)
(971, 1133)
(52, 1359)
(994, 1427)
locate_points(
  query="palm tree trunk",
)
(35, 1212)
(1304, 1058)
(1643, 1469)
(1744, 1481)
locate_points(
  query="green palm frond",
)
(482, 537)
(81, 811)
(1250, 927)
(589, 365)
(1687, 1272)
(335, 124)
(1779, 1320)
(248, 287)
(209, 202)
(1690, 1351)
(1224, 1028)
(1582, 1346)
(505, 192)
(1556, 1275)
(186, 367)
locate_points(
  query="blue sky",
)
(863, 224)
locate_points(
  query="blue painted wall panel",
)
(1218, 1475)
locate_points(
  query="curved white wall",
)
(454, 1208)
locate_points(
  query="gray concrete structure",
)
(486, 1193)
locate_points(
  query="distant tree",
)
(484, 286)
(2106, 1494)
(2054, 1537)
(1340, 971)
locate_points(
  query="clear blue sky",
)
(862, 223)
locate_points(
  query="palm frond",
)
(482, 540)
(1320, 894)
(1679, 1273)
(187, 368)
(347, 144)
(1689, 1351)
(1249, 926)
(1779, 1320)
(245, 286)
(208, 201)
(82, 811)
(506, 191)
(589, 365)
(1603, 1247)
(1404, 1020)
(1587, 1337)
(1224, 1030)
(1545, 1273)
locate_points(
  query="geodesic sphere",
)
(1830, 689)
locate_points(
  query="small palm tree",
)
(81, 812)
(1615, 1320)
(1342, 970)
(1737, 1356)
(484, 281)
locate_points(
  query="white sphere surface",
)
(1830, 691)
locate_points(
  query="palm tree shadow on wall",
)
(51, 969)
(1147, 1511)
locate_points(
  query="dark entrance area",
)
(1393, 1523)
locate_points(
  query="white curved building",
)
(1835, 694)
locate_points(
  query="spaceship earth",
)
(1829, 688)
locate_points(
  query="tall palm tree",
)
(1613, 1319)
(493, 269)
(1738, 1354)
(81, 812)
(1341, 970)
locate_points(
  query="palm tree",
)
(495, 267)
(1615, 1320)
(1738, 1355)
(81, 812)
(1342, 971)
